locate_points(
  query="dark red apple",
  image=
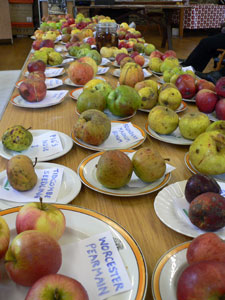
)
(220, 87)
(220, 109)
(186, 85)
(134, 53)
(207, 246)
(122, 44)
(169, 53)
(205, 84)
(121, 56)
(70, 21)
(91, 40)
(37, 65)
(206, 100)
(204, 280)
(36, 44)
(207, 211)
(37, 75)
(33, 90)
(47, 43)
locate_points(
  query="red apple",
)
(36, 44)
(37, 65)
(47, 43)
(133, 54)
(121, 56)
(206, 100)
(139, 59)
(205, 84)
(220, 109)
(186, 85)
(156, 53)
(32, 255)
(91, 41)
(4, 237)
(220, 87)
(57, 286)
(168, 53)
(204, 280)
(70, 21)
(33, 90)
(122, 44)
(207, 246)
(36, 75)
(43, 217)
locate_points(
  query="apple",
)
(204, 280)
(120, 56)
(169, 53)
(186, 85)
(4, 237)
(36, 75)
(37, 65)
(134, 53)
(206, 100)
(220, 87)
(31, 255)
(47, 43)
(207, 246)
(33, 90)
(205, 84)
(122, 44)
(139, 59)
(43, 217)
(91, 41)
(57, 286)
(36, 44)
(156, 53)
(220, 109)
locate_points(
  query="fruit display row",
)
(114, 173)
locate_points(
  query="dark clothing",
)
(204, 51)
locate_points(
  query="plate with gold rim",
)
(167, 271)
(173, 138)
(82, 223)
(181, 108)
(107, 146)
(189, 165)
(87, 173)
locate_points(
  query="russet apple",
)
(31, 255)
(206, 100)
(220, 109)
(207, 246)
(205, 84)
(57, 287)
(41, 216)
(204, 280)
(33, 90)
(186, 85)
(4, 237)
(220, 87)
(80, 73)
(37, 65)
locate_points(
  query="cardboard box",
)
(21, 13)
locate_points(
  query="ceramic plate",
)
(167, 271)
(67, 81)
(17, 100)
(116, 73)
(67, 144)
(192, 100)
(191, 168)
(213, 117)
(111, 116)
(182, 107)
(82, 223)
(51, 72)
(174, 138)
(51, 83)
(108, 146)
(75, 93)
(70, 186)
(60, 48)
(115, 64)
(168, 206)
(157, 73)
(64, 62)
(87, 173)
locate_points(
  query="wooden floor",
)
(12, 57)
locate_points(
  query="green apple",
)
(123, 101)
(217, 125)
(96, 56)
(155, 64)
(149, 48)
(91, 99)
(170, 97)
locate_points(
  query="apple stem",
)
(41, 202)
(56, 294)
(29, 128)
(168, 159)
(35, 162)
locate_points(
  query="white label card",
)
(51, 72)
(103, 272)
(47, 187)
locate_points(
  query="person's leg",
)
(204, 51)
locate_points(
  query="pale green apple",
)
(155, 64)
(170, 97)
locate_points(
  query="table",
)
(144, 9)
(135, 214)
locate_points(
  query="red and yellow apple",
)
(4, 237)
(33, 90)
(206, 100)
(80, 73)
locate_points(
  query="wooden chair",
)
(220, 60)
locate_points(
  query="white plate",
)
(174, 138)
(156, 73)
(60, 48)
(70, 186)
(82, 223)
(17, 100)
(212, 116)
(51, 83)
(167, 211)
(111, 116)
(51, 72)
(116, 73)
(167, 271)
(145, 65)
(87, 173)
(67, 81)
(181, 108)
(220, 177)
(76, 93)
(67, 144)
(192, 100)
(108, 146)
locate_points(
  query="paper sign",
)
(53, 82)
(102, 70)
(67, 60)
(97, 264)
(104, 61)
(190, 68)
(47, 187)
(52, 72)
(43, 145)
(123, 135)
(146, 73)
